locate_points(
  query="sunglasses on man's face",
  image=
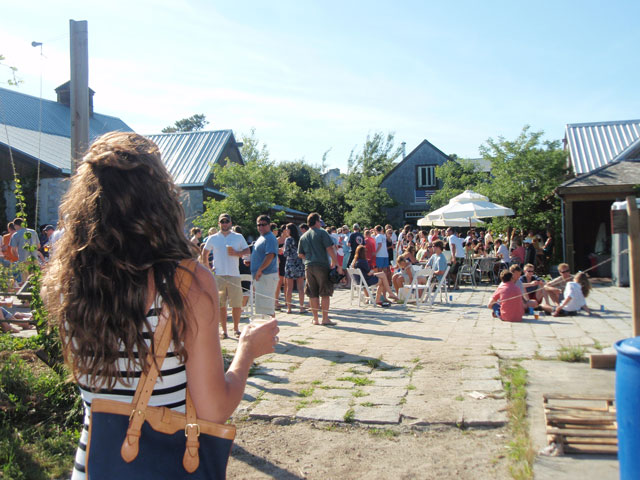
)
(261, 224)
(224, 220)
(564, 271)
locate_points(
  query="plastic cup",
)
(451, 298)
(230, 249)
(530, 310)
(536, 316)
(602, 308)
(259, 318)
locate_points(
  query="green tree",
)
(364, 197)
(192, 124)
(456, 175)
(305, 176)
(328, 200)
(376, 158)
(525, 173)
(367, 202)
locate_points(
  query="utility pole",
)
(634, 262)
(79, 90)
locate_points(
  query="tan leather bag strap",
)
(161, 340)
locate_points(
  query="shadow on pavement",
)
(337, 356)
(262, 464)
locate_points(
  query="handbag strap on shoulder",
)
(161, 340)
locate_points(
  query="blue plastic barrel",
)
(628, 406)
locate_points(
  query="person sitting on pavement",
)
(373, 278)
(506, 301)
(575, 294)
(527, 303)
(555, 287)
(534, 285)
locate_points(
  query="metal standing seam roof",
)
(593, 145)
(50, 141)
(189, 155)
(23, 111)
(52, 150)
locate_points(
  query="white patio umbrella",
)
(450, 222)
(469, 205)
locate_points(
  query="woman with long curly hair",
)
(114, 275)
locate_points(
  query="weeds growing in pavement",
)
(349, 415)
(521, 454)
(306, 392)
(360, 381)
(383, 433)
(572, 354)
(359, 393)
(373, 362)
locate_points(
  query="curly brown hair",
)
(123, 239)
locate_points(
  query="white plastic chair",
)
(418, 292)
(246, 277)
(441, 289)
(359, 287)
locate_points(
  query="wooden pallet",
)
(581, 424)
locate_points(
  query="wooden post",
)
(634, 261)
(79, 90)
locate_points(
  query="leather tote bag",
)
(136, 441)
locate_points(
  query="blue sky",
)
(313, 76)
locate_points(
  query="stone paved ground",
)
(415, 366)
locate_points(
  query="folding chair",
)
(485, 266)
(466, 270)
(441, 289)
(246, 277)
(359, 287)
(418, 292)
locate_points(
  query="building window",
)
(426, 176)
(414, 214)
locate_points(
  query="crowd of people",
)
(385, 257)
(120, 264)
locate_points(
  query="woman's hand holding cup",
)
(260, 336)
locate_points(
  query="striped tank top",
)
(169, 391)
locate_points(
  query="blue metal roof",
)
(593, 145)
(51, 144)
(189, 155)
(23, 111)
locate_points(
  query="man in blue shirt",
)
(438, 261)
(264, 267)
(313, 249)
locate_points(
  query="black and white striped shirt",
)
(169, 391)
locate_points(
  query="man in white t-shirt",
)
(227, 246)
(502, 252)
(382, 254)
(456, 245)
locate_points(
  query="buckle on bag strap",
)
(191, 425)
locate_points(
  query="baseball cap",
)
(224, 215)
(355, 225)
(48, 227)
